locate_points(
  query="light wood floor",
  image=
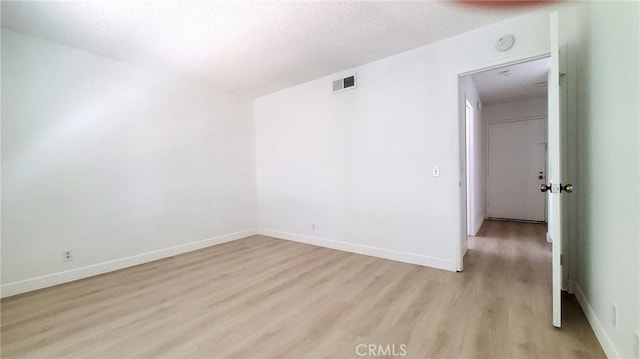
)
(261, 297)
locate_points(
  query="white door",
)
(516, 161)
(556, 188)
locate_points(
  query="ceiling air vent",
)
(343, 84)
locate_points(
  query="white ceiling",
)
(526, 80)
(247, 47)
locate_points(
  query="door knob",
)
(567, 188)
(544, 187)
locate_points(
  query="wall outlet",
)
(436, 171)
(614, 315)
(313, 227)
(67, 255)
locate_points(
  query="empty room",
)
(342, 179)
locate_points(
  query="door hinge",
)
(560, 79)
(562, 259)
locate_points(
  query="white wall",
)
(117, 163)
(358, 164)
(608, 261)
(477, 208)
(517, 110)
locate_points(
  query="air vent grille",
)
(346, 83)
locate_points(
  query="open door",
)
(555, 188)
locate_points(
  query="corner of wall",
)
(406, 257)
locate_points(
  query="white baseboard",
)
(596, 325)
(49, 280)
(406, 257)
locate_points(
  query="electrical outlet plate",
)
(67, 255)
(436, 171)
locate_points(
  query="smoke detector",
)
(505, 43)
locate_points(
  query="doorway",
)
(505, 210)
(555, 186)
(504, 114)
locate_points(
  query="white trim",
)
(49, 280)
(427, 261)
(596, 325)
(505, 62)
(518, 119)
(468, 119)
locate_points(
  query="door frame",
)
(462, 149)
(468, 115)
(562, 274)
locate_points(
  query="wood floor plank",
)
(262, 297)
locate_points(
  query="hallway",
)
(509, 263)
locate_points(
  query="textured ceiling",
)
(246, 47)
(525, 80)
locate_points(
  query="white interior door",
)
(554, 175)
(516, 158)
